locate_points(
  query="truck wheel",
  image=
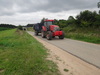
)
(53, 36)
(62, 36)
(49, 35)
(36, 33)
(43, 34)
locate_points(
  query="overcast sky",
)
(22, 12)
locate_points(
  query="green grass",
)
(4, 28)
(66, 70)
(30, 28)
(21, 54)
(83, 34)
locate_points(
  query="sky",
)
(23, 12)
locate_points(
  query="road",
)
(86, 51)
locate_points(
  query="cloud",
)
(21, 11)
(24, 6)
(21, 6)
(34, 17)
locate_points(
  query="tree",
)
(55, 21)
(86, 18)
(7, 25)
(43, 20)
(20, 27)
(97, 22)
(30, 25)
(98, 4)
(70, 18)
(62, 23)
(71, 21)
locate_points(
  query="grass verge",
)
(83, 34)
(21, 54)
(30, 28)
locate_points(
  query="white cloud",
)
(34, 17)
(32, 11)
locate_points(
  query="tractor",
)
(49, 30)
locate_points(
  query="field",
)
(4, 28)
(21, 54)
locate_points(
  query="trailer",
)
(37, 27)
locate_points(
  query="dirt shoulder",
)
(67, 63)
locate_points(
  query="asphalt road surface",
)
(86, 51)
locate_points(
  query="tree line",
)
(7, 26)
(84, 19)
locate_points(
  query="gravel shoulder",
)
(65, 60)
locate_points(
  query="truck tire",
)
(36, 33)
(49, 35)
(62, 36)
(43, 34)
(53, 36)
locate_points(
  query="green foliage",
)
(85, 23)
(56, 21)
(70, 18)
(71, 21)
(20, 27)
(86, 27)
(97, 22)
(69, 29)
(30, 29)
(7, 26)
(43, 20)
(4, 28)
(65, 23)
(62, 23)
(29, 25)
(21, 54)
(83, 34)
(84, 37)
(86, 18)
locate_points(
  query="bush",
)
(20, 27)
(86, 18)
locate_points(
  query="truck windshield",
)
(49, 23)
